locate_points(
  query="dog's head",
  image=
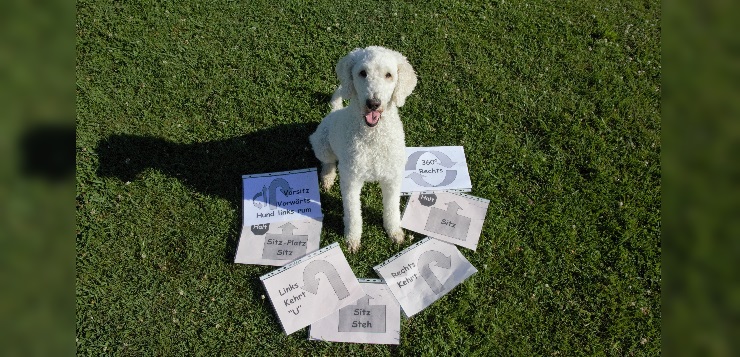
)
(376, 78)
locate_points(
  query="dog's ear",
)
(406, 81)
(344, 73)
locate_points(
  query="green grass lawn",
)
(556, 103)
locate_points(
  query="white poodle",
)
(366, 138)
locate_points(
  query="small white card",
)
(375, 318)
(309, 289)
(456, 218)
(439, 168)
(278, 243)
(281, 196)
(424, 272)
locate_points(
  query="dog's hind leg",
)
(391, 189)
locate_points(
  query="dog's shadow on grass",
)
(215, 168)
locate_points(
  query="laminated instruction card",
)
(424, 272)
(278, 243)
(310, 288)
(281, 196)
(282, 217)
(439, 168)
(456, 218)
(375, 318)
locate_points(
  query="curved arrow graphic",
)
(263, 193)
(440, 260)
(413, 159)
(278, 182)
(272, 198)
(444, 160)
(418, 179)
(311, 284)
(450, 176)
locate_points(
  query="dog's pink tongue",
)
(372, 118)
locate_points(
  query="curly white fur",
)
(366, 149)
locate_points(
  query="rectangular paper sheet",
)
(455, 218)
(439, 168)
(278, 243)
(281, 196)
(375, 318)
(309, 289)
(424, 272)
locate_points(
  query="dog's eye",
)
(363, 74)
(388, 75)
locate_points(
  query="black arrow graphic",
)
(311, 284)
(440, 260)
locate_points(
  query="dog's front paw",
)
(328, 176)
(353, 244)
(396, 235)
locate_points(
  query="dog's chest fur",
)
(376, 153)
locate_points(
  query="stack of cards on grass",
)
(282, 217)
(375, 318)
(424, 272)
(311, 288)
(439, 168)
(455, 218)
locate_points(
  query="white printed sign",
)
(440, 168)
(456, 218)
(281, 196)
(375, 318)
(424, 272)
(309, 289)
(278, 243)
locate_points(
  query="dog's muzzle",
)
(372, 117)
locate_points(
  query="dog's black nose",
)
(372, 104)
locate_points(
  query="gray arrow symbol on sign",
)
(311, 284)
(453, 207)
(364, 301)
(278, 182)
(418, 179)
(288, 228)
(413, 158)
(440, 260)
(450, 176)
(444, 160)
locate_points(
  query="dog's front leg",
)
(352, 210)
(391, 189)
